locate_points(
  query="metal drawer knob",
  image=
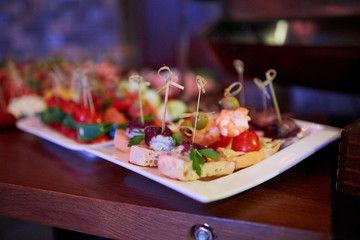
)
(203, 232)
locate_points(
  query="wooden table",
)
(44, 183)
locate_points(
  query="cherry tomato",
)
(85, 115)
(247, 141)
(68, 132)
(54, 102)
(56, 126)
(223, 142)
(121, 104)
(98, 101)
(103, 138)
(69, 107)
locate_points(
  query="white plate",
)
(316, 137)
(34, 126)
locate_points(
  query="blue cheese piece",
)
(162, 143)
(134, 132)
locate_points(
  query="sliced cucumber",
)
(174, 109)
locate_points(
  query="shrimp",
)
(209, 135)
(233, 122)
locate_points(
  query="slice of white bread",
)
(177, 167)
(121, 141)
(143, 156)
(247, 159)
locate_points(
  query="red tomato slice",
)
(56, 126)
(121, 104)
(103, 138)
(84, 115)
(247, 141)
(69, 132)
(6, 119)
(223, 142)
(97, 101)
(69, 107)
(54, 102)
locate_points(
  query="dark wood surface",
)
(45, 183)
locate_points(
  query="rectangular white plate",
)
(316, 137)
(34, 126)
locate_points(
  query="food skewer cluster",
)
(187, 150)
(270, 76)
(266, 123)
(190, 146)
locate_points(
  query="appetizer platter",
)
(207, 156)
(212, 156)
(82, 106)
(316, 137)
(35, 126)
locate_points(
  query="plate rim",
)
(313, 142)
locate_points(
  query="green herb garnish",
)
(136, 140)
(209, 153)
(197, 160)
(148, 118)
(121, 126)
(177, 138)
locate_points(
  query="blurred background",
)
(314, 45)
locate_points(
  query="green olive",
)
(202, 120)
(230, 103)
(186, 127)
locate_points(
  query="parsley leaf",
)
(136, 140)
(121, 126)
(197, 160)
(147, 118)
(177, 138)
(209, 153)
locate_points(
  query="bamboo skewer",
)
(239, 66)
(270, 76)
(200, 82)
(169, 82)
(265, 94)
(139, 80)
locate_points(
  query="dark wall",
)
(131, 32)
